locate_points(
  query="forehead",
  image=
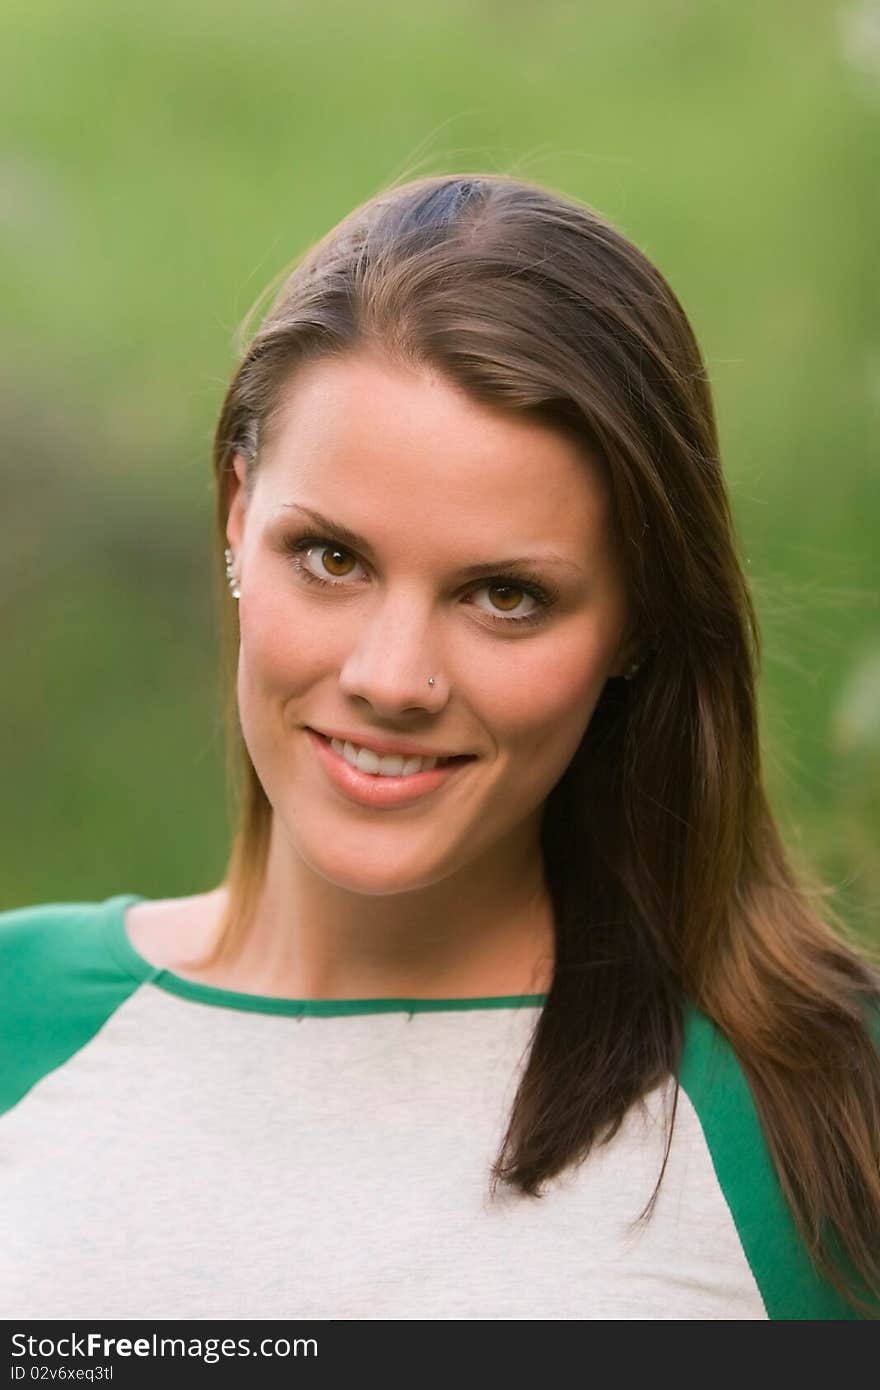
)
(376, 440)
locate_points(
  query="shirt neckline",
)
(146, 972)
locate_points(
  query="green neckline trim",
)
(144, 971)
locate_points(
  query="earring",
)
(636, 665)
(230, 574)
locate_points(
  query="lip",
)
(368, 788)
(381, 746)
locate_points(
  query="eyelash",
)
(544, 598)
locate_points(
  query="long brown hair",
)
(668, 874)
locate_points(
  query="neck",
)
(486, 930)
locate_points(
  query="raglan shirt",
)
(173, 1150)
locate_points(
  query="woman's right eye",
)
(316, 558)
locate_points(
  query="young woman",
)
(511, 1003)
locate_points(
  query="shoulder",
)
(64, 969)
(169, 932)
(715, 1083)
(27, 933)
(711, 1072)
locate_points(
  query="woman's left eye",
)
(519, 591)
(303, 552)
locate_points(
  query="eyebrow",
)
(356, 542)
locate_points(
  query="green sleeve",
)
(59, 983)
(717, 1088)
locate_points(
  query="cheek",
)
(282, 654)
(542, 703)
(283, 644)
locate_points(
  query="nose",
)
(392, 659)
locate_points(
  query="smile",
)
(387, 764)
(387, 781)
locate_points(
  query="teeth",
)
(388, 765)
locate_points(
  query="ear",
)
(622, 663)
(238, 504)
(631, 649)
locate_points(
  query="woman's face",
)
(454, 541)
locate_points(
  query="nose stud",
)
(430, 680)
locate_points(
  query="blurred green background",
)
(162, 162)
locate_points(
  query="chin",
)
(373, 873)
